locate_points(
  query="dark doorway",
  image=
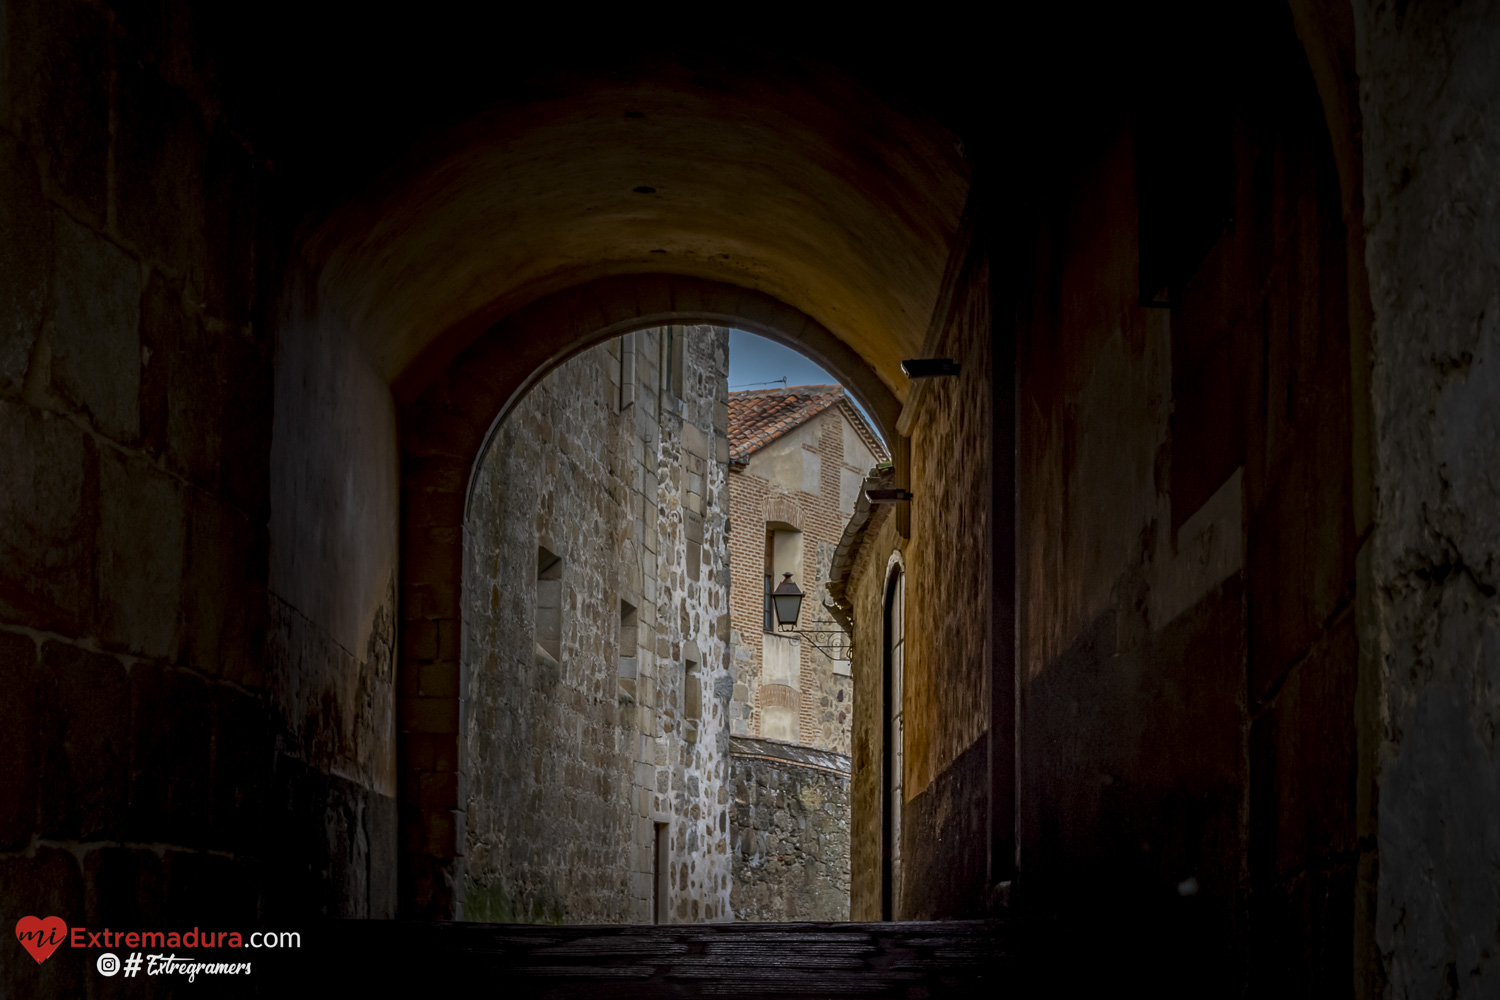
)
(659, 877)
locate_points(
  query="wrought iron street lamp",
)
(787, 600)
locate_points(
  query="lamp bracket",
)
(914, 368)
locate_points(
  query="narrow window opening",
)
(671, 361)
(782, 700)
(549, 603)
(627, 371)
(692, 709)
(629, 651)
(783, 555)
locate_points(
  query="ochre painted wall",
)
(945, 696)
(946, 693)
(868, 578)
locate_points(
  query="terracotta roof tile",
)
(759, 416)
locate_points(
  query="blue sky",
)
(755, 359)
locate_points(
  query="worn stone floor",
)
(790, 960)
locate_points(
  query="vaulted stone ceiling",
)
(446, 172)
(441, 172)
(806, 188)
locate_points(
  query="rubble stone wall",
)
(791, 831)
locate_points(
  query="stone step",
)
(811, 960)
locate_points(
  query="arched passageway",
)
(446, 432)
(844, 264)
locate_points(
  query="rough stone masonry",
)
(791, 831)
(596, 589)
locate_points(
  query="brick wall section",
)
(156, 735)
(570, 762)
(825, 694)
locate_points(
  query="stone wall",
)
(943, 537)
(176, 721)
(1187, 655)
(1430, 99)
(579, 740)
(331, 629)
(1187, 659)
(791, 832)
(866, 594)
(946, 702)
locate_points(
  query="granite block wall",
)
(597, 683)
(177, 715)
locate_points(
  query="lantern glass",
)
(787, 599)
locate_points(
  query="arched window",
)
(893, 754)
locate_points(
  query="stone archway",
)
(445, 431)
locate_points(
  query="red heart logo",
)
(41, 937)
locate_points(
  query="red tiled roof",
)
(759, 416)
